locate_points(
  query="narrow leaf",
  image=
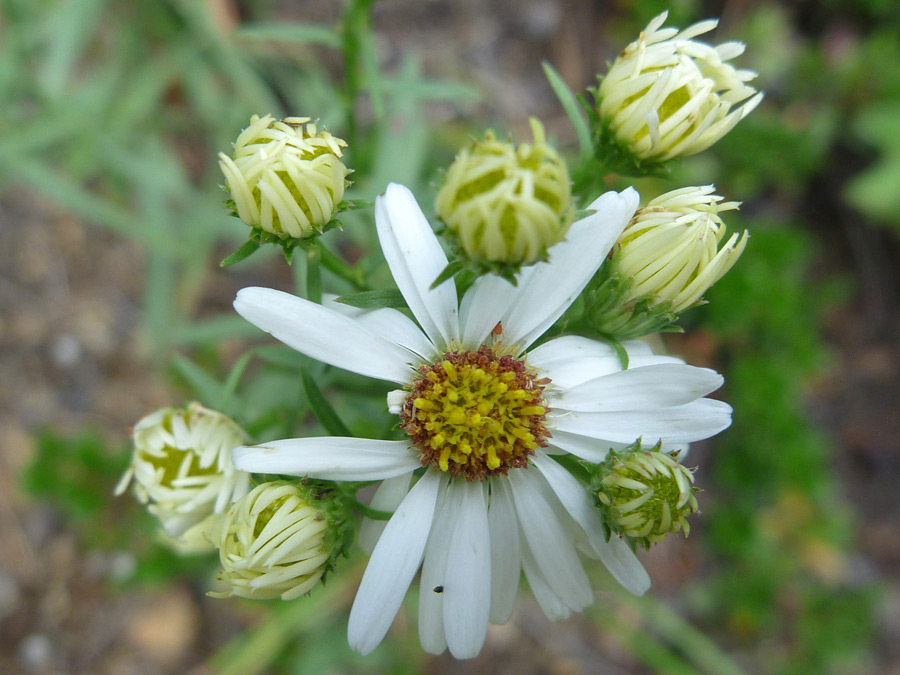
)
(620, 352)
(572, 109)
(247, 249)
(306, 33)
(373, 299)
(448, 272)
(232, 381)
(205, 387)
(321, 408)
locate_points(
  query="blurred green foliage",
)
(76, 475)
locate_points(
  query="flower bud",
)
(668, 95)
(182, 467)
(285, 177)
(277, 542)
(507, 204)
(670, 251)
(644, 494)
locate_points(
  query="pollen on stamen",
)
(475, 414)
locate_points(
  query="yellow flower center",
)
(475, 414)
(177, 463)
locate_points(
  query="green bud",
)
(644, 495)
(507, 204)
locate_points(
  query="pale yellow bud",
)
(668, 95)
(670, 251)
(182, 468)
(273, 543)
(285, 177)
(507, 204)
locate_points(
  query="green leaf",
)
(321, 408)
(431, 90)
(305, 33)
(232, 381)
(355, 205)
(572, 109)
(247, 249)
(448, 273)
(373, 299)
(314, 274)
(620, 351)
(213, 330)
(206, 388)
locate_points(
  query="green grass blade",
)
(304, 33)
(572, 109)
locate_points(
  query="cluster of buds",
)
(182, 468)
(667, 257)
(285, 177)
(507, 205)
(279, 541)
(644, 495)
(668, 95)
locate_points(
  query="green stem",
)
(369, 512)
(335, 265)
(256, 650)
(354, 21)
(314, 273)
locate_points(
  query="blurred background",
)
(112, 304)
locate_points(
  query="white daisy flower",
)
(484, 416)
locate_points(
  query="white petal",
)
(486, 303)
(416, 258)
(553, 553)
(623, 564)
(392, 566)
(431, 591)
(571, 359)
(641, 388)
(391, 324)
(329, 458)
(571, 494)
(386, 498)
(467, 587)
(679, 424)
(615, 554)
(549, 290)
(584, 447)
(554, 608)
(324, 334)
(506, 561)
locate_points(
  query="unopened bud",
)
(507, 204)
(285, 177)
(644, 495)
(277, 542)
(182, 467)
(672, 252)
(668, 95)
